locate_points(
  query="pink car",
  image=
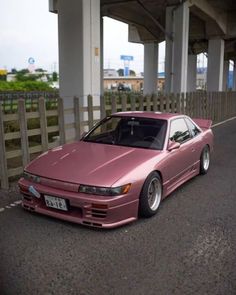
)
(121, 169)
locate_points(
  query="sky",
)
(28, 29)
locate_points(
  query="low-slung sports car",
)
(121, 169)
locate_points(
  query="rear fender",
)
(203, 123)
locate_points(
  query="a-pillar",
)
(79, 54)
(150, 68)
(215, 65)
(225, 75)
(177, 26)
(192, 73)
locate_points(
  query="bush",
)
(25, 86)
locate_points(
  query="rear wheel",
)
(205, 160)
(151, 195)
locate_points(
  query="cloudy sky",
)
(28, 29)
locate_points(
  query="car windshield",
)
(129, 131)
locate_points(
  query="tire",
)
(205, 160)
(151, 195)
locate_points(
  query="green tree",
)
(3, 77)
(54, 76)
(23, 71)
(132, 73)
(40, 70)
(120, 72)
(26, 77)
(25, 86)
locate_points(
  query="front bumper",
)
(90, 210)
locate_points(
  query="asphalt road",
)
(189, 247)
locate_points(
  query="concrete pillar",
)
(177, 23)
(150, 68)
(79, 53)
(169, 51)
(192, 73)
(101, 57)
(215, 65)
(234, 76)
(225, 75)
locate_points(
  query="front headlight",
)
(31, 177)
(104, 191)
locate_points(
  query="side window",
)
(179, 131)
(192, 127)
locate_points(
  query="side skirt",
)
(169, 189)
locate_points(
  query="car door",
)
(180, 161)
(196, 140)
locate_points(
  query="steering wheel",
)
(152, 139)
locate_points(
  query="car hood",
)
(89, 163)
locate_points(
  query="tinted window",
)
(192, 127)
(130, 131)
(179, 131)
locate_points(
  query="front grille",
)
(98, 213)
(95, 213)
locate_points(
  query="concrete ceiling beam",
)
(53, 6)
(212, 16)
(156, 22)
(231, 24)
(139, 34)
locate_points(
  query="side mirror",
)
(173, 145)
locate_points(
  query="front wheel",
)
(205, 160)
(151, 195)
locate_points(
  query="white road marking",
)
(18, 202)
(14, 204)
(220, 123)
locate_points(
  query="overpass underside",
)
(189, 28)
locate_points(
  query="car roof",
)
(151, 115)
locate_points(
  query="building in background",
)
(131, 83)
(110, 73)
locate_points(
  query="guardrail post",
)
(113, 104)
(160, 103)
(3, 159)
(77, 118)
(43, 124)
(124, 102)
(61, 121)
(154, 102)
(23, 132)
(178, 103)
(102, 107)
(183, 99)
(148, 103)
(167, 108)
(133, 102)
(141, 98)
(90, 111)
(172, 103)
